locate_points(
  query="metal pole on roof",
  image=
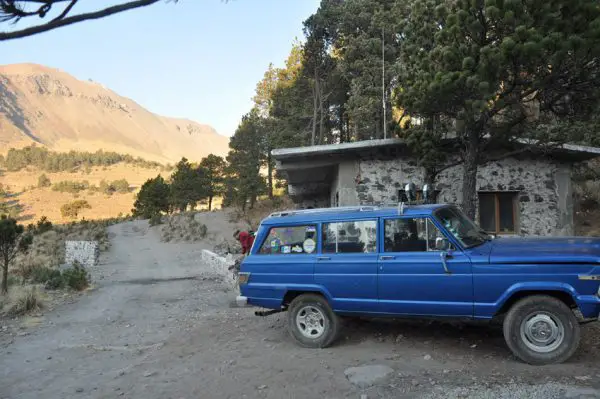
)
(383, 82)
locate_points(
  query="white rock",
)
(365, 376)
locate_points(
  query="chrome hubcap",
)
(310, 322)
(542, 332)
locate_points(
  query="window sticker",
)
(309, 245)
(275, 244)
(286, 249)
(297, 249)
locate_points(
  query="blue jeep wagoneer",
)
(422, 261)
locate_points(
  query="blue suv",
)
(421, 261)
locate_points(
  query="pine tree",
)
(152, 199)
(212, 168)
(245, 158)
(498, 70)
(187, 186)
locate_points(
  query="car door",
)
(346, 265)
(413, 279)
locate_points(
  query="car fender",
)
(535, 286)
(309, 288)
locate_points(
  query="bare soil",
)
(158, 325)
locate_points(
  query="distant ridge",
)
(43, 105)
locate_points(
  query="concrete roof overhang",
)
(311, 170)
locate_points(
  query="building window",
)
(350, 237)
(497, 212)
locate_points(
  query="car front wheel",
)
(541, 330)
(312, 322)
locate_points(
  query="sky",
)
(196, 59)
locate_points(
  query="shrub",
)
(155, 220)
(43, 225)
(72, 209)
(52, 278)
(183, 227)
(56, 281)
(44, 181)
(69, 186)
(25, 302)
(13, 280)
(117, 186)
(120, 186)
(76, 277)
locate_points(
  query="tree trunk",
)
(430, 175)
(315, 108)
(321, 116)
(210, 198)
(5, 277)
(469, 189)
(270, 174)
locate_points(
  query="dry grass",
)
(182, 228)
(46, 202)
(22, 300)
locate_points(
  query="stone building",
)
(528, 194)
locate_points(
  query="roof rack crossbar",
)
(365, 208)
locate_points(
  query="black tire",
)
(554, 317)
(317, 309)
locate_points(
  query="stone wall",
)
(87, 253)
(220, 266)
(314, 202)
(543, 188)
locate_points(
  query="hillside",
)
(46, 106)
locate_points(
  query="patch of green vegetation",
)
(49, 161)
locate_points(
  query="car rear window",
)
(292, 240)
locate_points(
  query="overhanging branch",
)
(60, 22)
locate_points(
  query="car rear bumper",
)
(241, 300)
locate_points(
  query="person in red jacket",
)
(246, 239)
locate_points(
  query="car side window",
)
(413, 235)
(290, 240)
(350, 237)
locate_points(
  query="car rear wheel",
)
(541, 330)
(312, 322)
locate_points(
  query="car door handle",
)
(387, 258)
(323, 258)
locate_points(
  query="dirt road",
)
(159, 325)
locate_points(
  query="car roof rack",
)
(295, 212)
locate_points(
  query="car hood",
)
(545, 250)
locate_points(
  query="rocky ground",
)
(158, 325)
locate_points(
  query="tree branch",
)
(57, 23)
(65, 11)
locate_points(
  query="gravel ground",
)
(159, 325)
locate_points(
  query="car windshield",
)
(461, 227)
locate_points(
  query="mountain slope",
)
(52, 108)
